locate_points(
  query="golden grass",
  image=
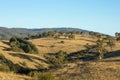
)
(54, 45)
(12, 76)
(47, 45)
(90, 71)
(78, 70)
(32, 61)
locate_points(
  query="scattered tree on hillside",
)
(19, 44)
(58, 59)
(101, 48)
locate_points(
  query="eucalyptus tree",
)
(101, 48)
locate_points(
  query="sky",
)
(94, 15)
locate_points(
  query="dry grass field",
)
(54, 45)
(31, 60)
(90, 71)
(12, 76)
(107, 69)
(47, 45)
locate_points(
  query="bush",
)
(19, 44)
(41, 76)
(58, 59)
(52, 46)
(4, 68)
(62, 42)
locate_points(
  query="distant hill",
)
(7, 33)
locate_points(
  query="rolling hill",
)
(77, 68)
(106, 69)
(7, 33)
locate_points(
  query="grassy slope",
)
(54, 45)
(32, 61)
(90, 71)
(108, 69)
(12, 76)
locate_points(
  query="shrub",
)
(62, 42)
(33, 73)
(52, 46)
(41, 76)
(19, 44)
(4, 68)
(58, 59)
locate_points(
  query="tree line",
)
(66, 35)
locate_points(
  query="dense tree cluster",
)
(53, 34)
(65, 35)
(19, 44)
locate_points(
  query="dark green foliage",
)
(57, 60)
(6, 33)
(34, 74)
(62, 42)
(99, 47)
(52, 46)
(4, 68)
(41, 76)
(19, 44)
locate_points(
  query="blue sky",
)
(96, 15)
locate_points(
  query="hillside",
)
(52, 45)
(12, 76)
(106, 69)
(90, 71)
(7, 33)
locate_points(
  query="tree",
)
(57, 60)
(100, 48)
(45, 34)
(19, 44)
(110, 42)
